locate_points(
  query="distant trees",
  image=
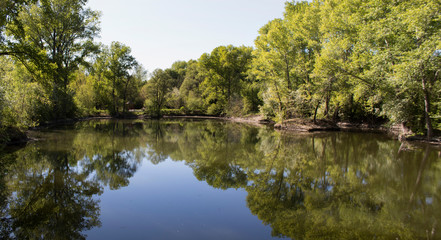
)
(190, 90)
(120, 62)
(113, 83)
(226, 69)
(213, 85)
(363, 61)
(156, 92)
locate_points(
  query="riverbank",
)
(396, 131)
(13, 136)
(298, 125)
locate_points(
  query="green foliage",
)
(51, 38)
(190, 90)
(9, 10)
(194, 104)
(173, 112)
(24, 102)
(116, 80)
(120, 62)
(361, 61)
(251, 98)
(226, 68)
(85, 97)
(156, 92)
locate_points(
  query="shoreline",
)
(397, 131)
(293, 126)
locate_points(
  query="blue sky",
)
(161, 32)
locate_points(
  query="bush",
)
(173, 112)
(215, 109)
(151, 109)
(194, 104)
(26, 105)
(85, 98)
(251, 99)
(235, 107)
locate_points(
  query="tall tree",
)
(226, 67)
(276, 46)
(190, 89)
(121, 63)
(156, 91)
(420, 33)
(51, 38)
(9, 10)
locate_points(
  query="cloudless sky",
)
(161, 32)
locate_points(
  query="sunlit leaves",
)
(51, 38)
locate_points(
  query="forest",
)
(363, 61)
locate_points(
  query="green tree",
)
(116, 78)
(177, 74)
(23, 102)
(190, 89)
(85, 97)
(283, 60)
(226, 68)
(156, 92)
(120, 63)
(134, 89)
(9, 10)
(51, 38)
(420, 61)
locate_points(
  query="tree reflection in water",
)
(320, 186)
(49, 188)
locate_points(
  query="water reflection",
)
(47, 198)
(328, 186)
(321, 186)
(51, 185)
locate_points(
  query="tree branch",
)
(355, 76)
(10, 53)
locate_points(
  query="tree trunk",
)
(427, 109)
(288, 80)
(114, 97)
(337, 109)
(125, 95)
(315, 112)
(229, 90)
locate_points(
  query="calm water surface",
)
(216, 180)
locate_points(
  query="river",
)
(210, 179)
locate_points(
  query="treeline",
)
(361, 61)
